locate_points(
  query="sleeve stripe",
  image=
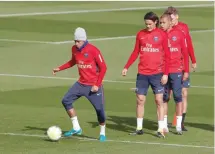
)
(100, 58)
(185, 42)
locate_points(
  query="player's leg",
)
(69, 98)
(166, 98)
(166, 109)
(158, 90)
(185, 85)
(177, 94)
(97, 100)
(142, 86)
(166, 101)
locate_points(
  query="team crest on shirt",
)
(174, 38)
(155, 38)
(85, 55)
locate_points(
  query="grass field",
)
(30, 97)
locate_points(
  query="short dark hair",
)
(171, 10)
(152, 16)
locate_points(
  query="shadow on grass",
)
(27, 128)
(128, 124)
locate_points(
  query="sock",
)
(102, 130)
(183, 118)
(75, 123)
(178, 123)
(161, 125)
(139, 123)
(165, 121)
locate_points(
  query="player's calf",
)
(140, 112)
(166, 99)
(67, 102)
(97, 100)
(184, 101)
(140, 101)
(160, 106)
(101, 119)
(178, 116)
(177, 95)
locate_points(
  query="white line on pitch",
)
(66, 78)
(25, 41)
(127, 37)
(101, 10)
(117, 141)
(92, 40)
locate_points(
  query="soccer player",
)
(184, 28)
(92, 69)
(152, 48)
(179, 62)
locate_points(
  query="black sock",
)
(183, 118)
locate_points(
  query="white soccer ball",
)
(54, 133)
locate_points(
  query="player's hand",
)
(185, 76)
(55, 70)
(164, 79)
(194, 66)
(124, 72)
(94, 88)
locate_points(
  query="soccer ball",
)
(54, 133)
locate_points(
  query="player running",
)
(92, 69)
(179, 62)
(186, 84)
(152, 48)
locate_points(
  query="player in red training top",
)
(178, 68)
(184, 28)
(152, 48)
(92, 69)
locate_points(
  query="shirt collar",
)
(84, 45)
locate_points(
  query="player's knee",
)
(166, 98)
(158, 99)
(184, 92)
(140, 100)
(67, 103)
(178, 98)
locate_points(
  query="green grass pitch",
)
(30, 100)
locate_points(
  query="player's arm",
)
(68, 64)
(101, 65)
(185, 53)
(134, 54)
(165, 45)
(190, 46)
(166, 49)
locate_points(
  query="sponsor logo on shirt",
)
(149, 48)
(83, 66)
(173, 49)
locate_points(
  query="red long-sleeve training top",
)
(179, 58)
(152, 48)
(90, 63)
(184, 28)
